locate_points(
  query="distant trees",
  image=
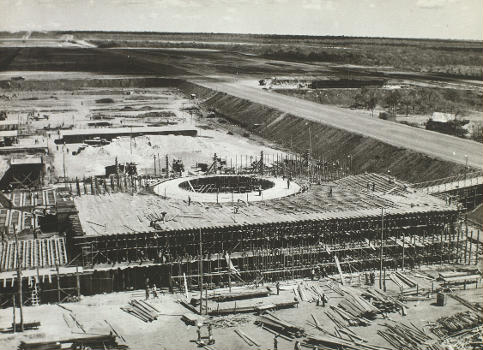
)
(366, 98)
(392, 100)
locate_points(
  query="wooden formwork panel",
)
(34, 253)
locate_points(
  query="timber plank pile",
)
(100, 342)
(403, 336)
(142, 310)
(276, 324)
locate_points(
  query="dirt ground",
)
(170, 332)
(125, 107)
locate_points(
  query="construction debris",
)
(451, 325)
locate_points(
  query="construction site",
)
(159, 213)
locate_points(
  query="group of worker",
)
(149, 290)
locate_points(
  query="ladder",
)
(35, 296)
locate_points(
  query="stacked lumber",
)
(402, 336)
(251, 308)
(404, 279)
(308, 293)
(343, 319)
(356, 306)
(382, 301)
(100, 342)
(233, 296)
(280, 326)
(447, 326)
(142, 310)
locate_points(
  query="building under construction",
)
(114, 233)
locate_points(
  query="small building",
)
(8, 137)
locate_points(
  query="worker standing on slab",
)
(198, 331)
(147, 288)
(277, 285)
(275, 343)
(211, 340)
(155, 291)
(297, 346)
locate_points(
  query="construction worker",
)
(312, 274)
(189, 200)
(277, 285)
(155, 291)
(211, 340)
(297, 346)
(147, 288)
(324, 300)
(198, 331)
(275, 343)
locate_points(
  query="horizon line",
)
(237, 33)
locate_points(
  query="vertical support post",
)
(19, 278)
(441, 249)
(14, 323)
(381, 247)
(477, 248)
(458, 244)
(77, 279)
(58, 283)
(403, 249)
(201, 274)
(471, 247)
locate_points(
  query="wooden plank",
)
(340, 270)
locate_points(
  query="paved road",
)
(428, 142)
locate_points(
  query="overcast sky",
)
(453, 19)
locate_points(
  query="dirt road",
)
(434, 144)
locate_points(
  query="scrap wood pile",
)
(331, 342)
(402, 336)
(142, 310)
(342, 333)
(100, 342)
(455, 324)
(274, 323)
(229, 321)
(471, 339)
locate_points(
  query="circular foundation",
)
(226, 188)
